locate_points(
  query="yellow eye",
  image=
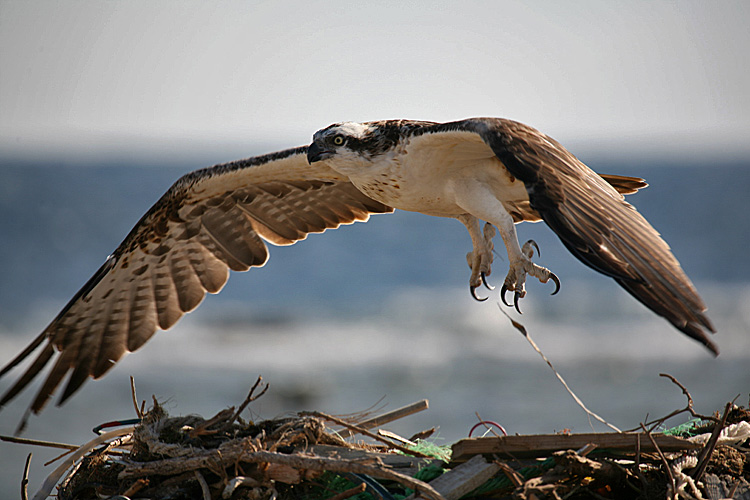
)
(338, 140)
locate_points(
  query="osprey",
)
(489, 170)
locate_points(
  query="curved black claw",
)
(484, 282)
(557, 282)
(517, 296)
(473, 291)
(533, 243)
(503, 291)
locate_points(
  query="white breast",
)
(418, 176)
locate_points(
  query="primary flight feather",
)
(489, 170)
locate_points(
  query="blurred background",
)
(104, 104)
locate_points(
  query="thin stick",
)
(734, 489)
(204, 485)
(135, 487)
(138, 412)
(523, 331)
(387, 417)
(684, 389)
(37, 442)
(58, 457)
(513, 476)
(350, 492)
(364, 432)
(249, 399)
(663, 461)
(637, 464)
(705, 455)
(25, 479)
(689, 408)
(484, 423)
(395, 437)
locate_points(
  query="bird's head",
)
(349, 146)
(346, 141)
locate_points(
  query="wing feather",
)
(142, 320)
(590, 216)
(208, 222)
(187, 284)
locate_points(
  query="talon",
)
(473, 291)
(554, 278)
(533, 243)
(484, 282)
(503, 291)
(515, 301)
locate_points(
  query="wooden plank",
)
(541, 445)
(463, 479)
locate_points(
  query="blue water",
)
(381, 310)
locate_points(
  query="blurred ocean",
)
(380, 314)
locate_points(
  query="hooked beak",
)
(316, 153)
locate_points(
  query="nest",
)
(318, 456)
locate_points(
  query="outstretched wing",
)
(208, 222)
(595, 222)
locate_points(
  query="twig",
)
(705, 455)
(387, 417)
(395, 437)
(518, 326)
(135, 487)
(513, 476)
(237, 451)
(663, 460)
(204, 428)
(637, 464)
(734, 488)
(350, 492)
(689, 408)
(37, 442)
(58, 457)
(486, 423)
(364, 432)
(684, 389)
(204, 485)
(48, 444)
(422, 435)
(25, 479)
(249, 399)
(138, 412)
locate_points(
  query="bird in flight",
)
(480, 170)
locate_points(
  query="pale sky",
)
(88, 76)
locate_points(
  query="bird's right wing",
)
(208, 222)
(596, 224)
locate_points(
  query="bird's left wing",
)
(208, 222)
(593, 220)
